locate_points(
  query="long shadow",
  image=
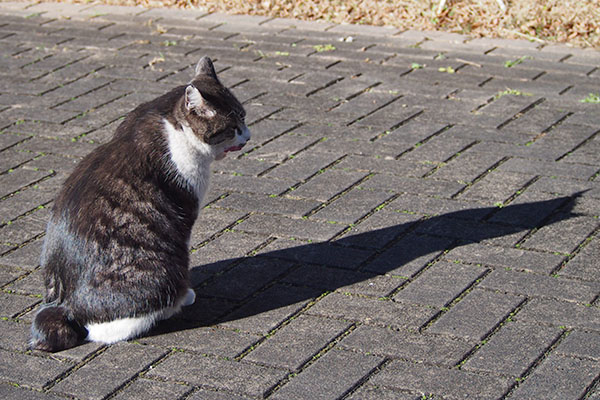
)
(310, 269)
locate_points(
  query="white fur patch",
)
(120, 329)
(191, 157)
(128, 328)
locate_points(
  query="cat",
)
(116, 252)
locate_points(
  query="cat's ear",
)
(206, 67)
(195, 101)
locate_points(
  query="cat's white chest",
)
(191, 158)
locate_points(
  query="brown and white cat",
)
(116, 251)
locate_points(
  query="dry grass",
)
(568, 21)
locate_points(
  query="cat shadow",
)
(285, 279)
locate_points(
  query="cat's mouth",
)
(234, 148)
(229, 149)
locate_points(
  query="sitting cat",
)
(116, 252)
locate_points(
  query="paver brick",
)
(267, 310)
(302, 166)
(383, 165)
(30, 284)
(328, 184)
(213, 219)
(25, 228)
(344, 281)
(207, 394)
(353, 143)
(372, 392)
(513, 349)
(8, 274)
(447, 383)
(234, 182)
(569, 133)
(469, 231)
(205, 340)
(352, 206)
(558, 377)
(245, 278)
(240, 377)
(398, 184)
(297, 342)
(280, 148)
(79, 353)
(11, 159)
(406, 345)
(496, 187)
(573, 232)
(437, 150)
(8, 391)
(477, 314)
(17, 367)
(25, 257)
(409, 256)
(13, 335)
(204, 312)
(149, 389)
(580, 344)
(467, 166)
(323, 253)
(42, 145)
(12, 181)
(267, 204)
(531, 285)
(289, 228)
(110, 369)
(529, 209)
(545, 168)
(14, 304)
(221, 252)
(506, 257)
(560, 313)
(4, 248)
(379, 229)
(432, 206)
(371, 311)
(433, 288)
(580, 265)
(330, 376)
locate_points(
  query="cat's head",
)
(213, 112)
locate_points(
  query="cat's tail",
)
(52, 329)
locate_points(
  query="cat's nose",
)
(246, 134)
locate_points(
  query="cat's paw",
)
(190, 298)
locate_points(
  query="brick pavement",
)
(416, 216)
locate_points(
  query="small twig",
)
(501, 5)
(586, 42)
(441, 6)
(526, 36)
(468, 62)
(442, 3)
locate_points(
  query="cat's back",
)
(125, 183)
(133, 158)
